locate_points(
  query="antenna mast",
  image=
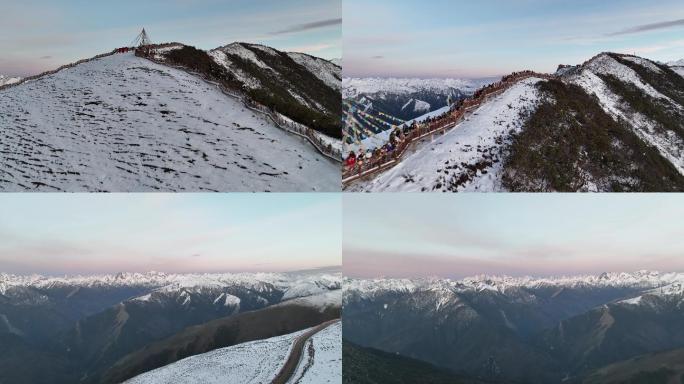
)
(143, 39)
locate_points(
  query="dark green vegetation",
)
(248, 326)
(664, 114)
(199, 61)
(371, 366)
(668, 82)
(290, 77)
(655, 368)
(571, 141)
(277, 86)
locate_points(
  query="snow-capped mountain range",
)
(293, 285)
(645, 280)
(519, 329)
(353, 87)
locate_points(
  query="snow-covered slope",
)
(677, 66)
(122, 123)
(261, 67)
(5, 80)
(329, 72)
(249, 363)
(258, 362)
(467, 158)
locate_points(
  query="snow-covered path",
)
(125, 124)
(468, 157)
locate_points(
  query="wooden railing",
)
(382, 160)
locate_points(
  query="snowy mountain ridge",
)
(641, 279)
(294, 285)
(630, 111)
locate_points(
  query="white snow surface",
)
(321, 301)
(6, 80)
(677, 66)
(418, 105)
(644, 63)
(325, 70)
(466, 143)
(352, 87)
(326, 366)
(248, 363)
(123, 123)
(652, 281)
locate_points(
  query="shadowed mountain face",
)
(656, 368)
(76, 330)
(370, 366)
(541, 332)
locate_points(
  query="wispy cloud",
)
(308, 26)
(649, 27)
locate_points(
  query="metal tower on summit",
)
(143, 39)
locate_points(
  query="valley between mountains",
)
(608, 328)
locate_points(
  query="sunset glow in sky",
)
(461, 38)
(98, 233)
(38, 35)
(423, 235)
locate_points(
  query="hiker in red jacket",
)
(351, 160)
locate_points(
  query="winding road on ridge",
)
(295, 357)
